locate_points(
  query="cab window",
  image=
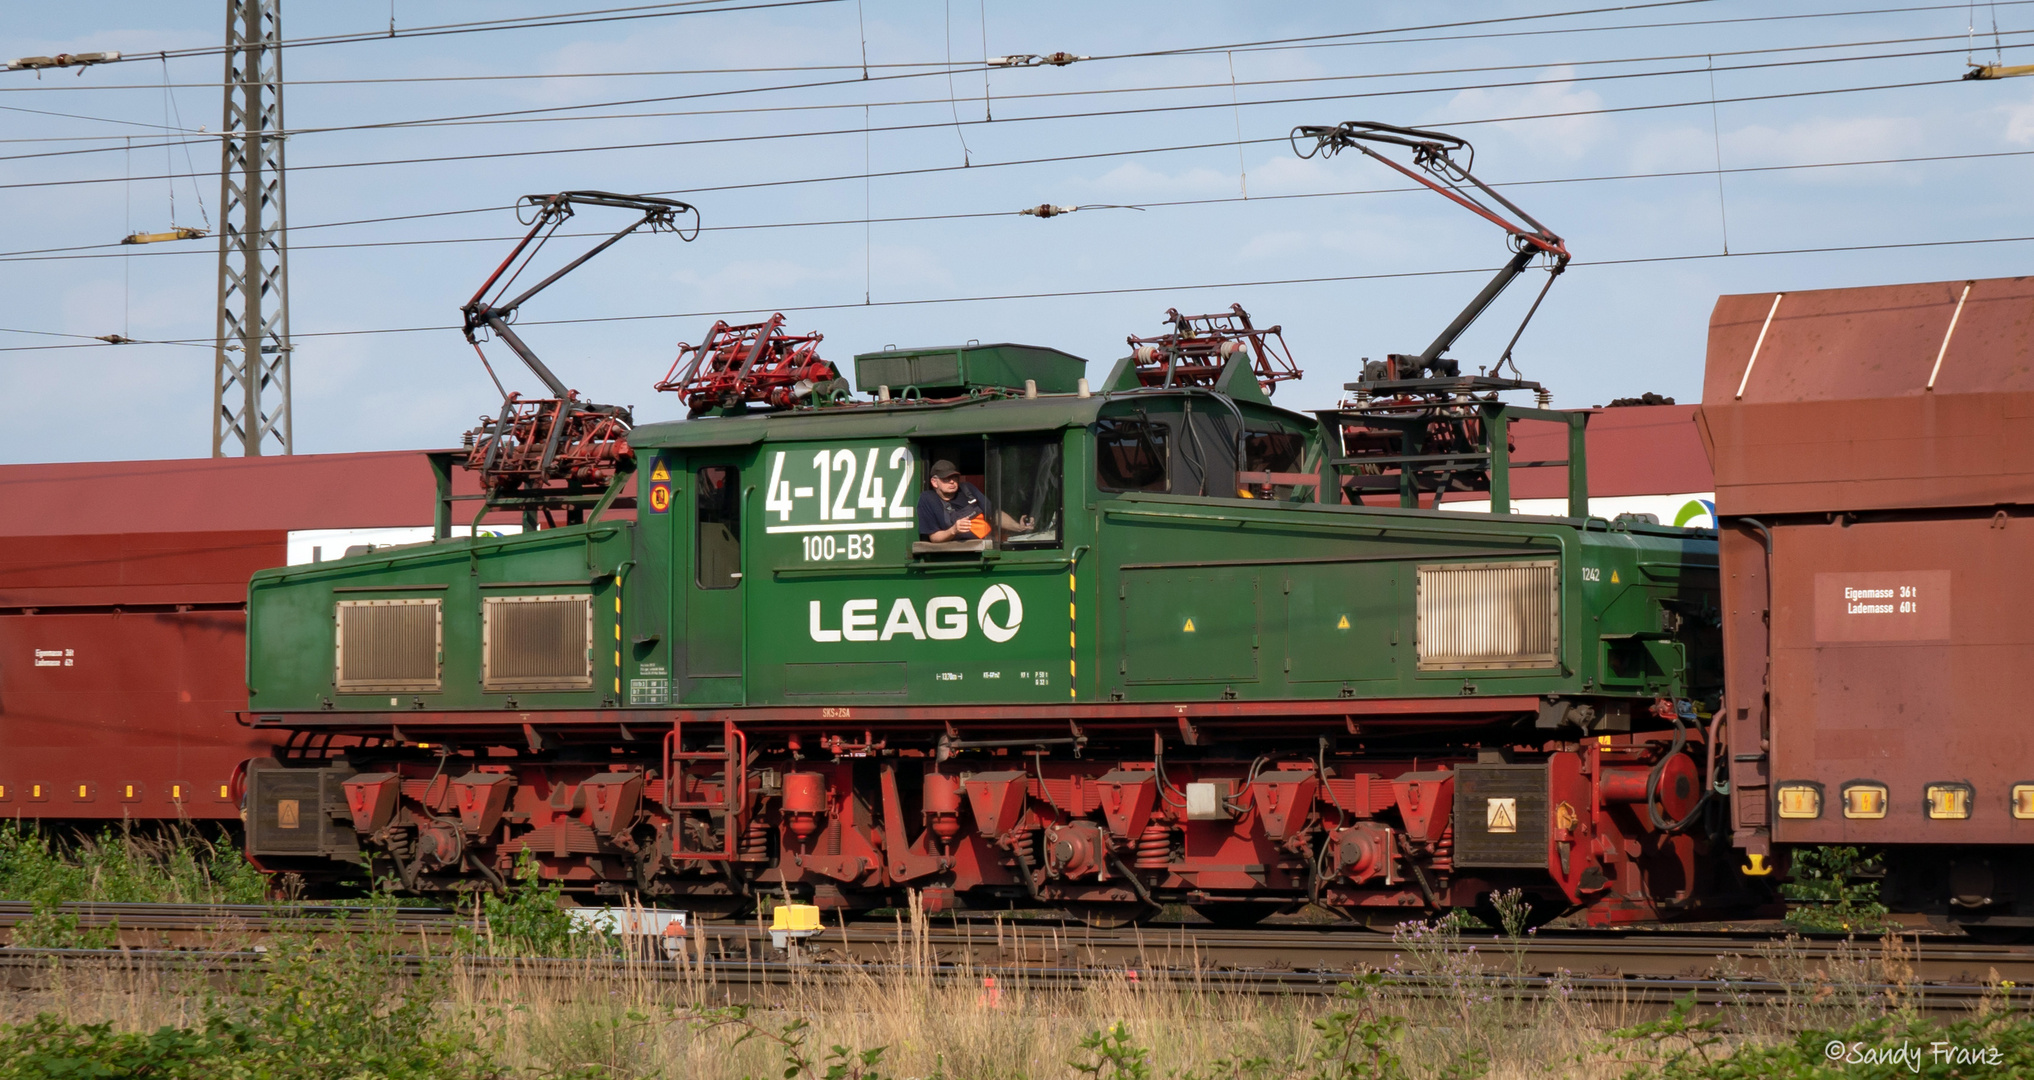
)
(1204, 451)
(1270, 451)
(1020, 476)
(1130, 454)
(1024, 487)
(719, 545)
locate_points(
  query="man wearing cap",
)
(947, 512)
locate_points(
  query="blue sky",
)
(1616, 97)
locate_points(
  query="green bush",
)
(1356, 1041)
(125, 864)
(1681, 1047)
(334, 1008)
(529, 920)
(1839, 893)
(117, 864)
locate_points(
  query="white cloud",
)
(1134, 181)
(1674, 149)
(1558, 136)
(1825, 139)
(1856, 139)
(2020, 124)
(894, 269)
(1285, 174)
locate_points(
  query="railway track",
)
(724, 979)
(737, 960)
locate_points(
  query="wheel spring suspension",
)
(755, 841)
(1154, 847)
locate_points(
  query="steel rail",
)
(985, 942)
(741, 979)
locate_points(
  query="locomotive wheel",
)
(714, 906)
(1236, 916)
(1386, 920)
(1111, 915)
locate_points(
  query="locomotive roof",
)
(867, 420)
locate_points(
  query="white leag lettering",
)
(858, 620)
(903, 620)
(818, 633)
(944, 618)
(1000, 594)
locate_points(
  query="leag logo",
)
(945, 618)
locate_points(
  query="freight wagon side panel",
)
(116, 715)
(1882, 441)
(133, 570)
(1902, 657)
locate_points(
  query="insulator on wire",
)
(63, 60)
(1058, 59)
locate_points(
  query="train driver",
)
(949, 511)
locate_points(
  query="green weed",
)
(117, 864)
(332, 1008)
(1681, 1047)
(126, 864)
(1838, 888)
(529, 920)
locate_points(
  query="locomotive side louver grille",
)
(1475, 616)
(388, 645)
(538, 643)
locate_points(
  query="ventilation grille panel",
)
(1479, 616)
(388, 645)
(538, 643)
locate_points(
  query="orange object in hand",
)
(979, 525)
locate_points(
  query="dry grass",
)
(626, 1021)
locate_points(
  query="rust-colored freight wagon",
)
(1874, 457)
(123, 589)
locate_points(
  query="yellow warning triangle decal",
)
(1613, 577)
(1344, 624)
(660, 472)
(1189, 626)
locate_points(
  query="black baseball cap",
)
(944, 469)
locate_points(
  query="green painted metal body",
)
(950, 369)
(818, 593)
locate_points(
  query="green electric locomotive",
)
(1163, 609)
(1006, 631)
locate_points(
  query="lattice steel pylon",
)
(251, 371)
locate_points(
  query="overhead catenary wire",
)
(57, 254)
(539, 115)
(1061, 294)
(714, 140)
(1314, 42)
(936, 68)
(698, 7)
(526, 22)
(867, 217)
